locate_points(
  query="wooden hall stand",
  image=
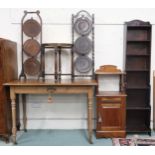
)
(52, 87)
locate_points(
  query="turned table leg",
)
(90, 115)
(24, 112)
(13, 107)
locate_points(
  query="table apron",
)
(52, 89)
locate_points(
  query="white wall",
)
(69, 111)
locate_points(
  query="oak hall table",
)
(51, 87)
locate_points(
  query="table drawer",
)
(109, 99)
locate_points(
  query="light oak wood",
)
(51, 87)
(13, 107)
(111, 93)
(51, 83)
(109, 69)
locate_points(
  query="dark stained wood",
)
(138, 35)
(138, 63)
(56, 64)
(57, 45)
(24, 111)
(31, 40)
(58, 49)
(137, 23)
(138, 48)
(8, 72)
(17, 113)
(137, 67)
(137, 79)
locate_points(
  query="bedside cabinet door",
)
(1, 118)
(110, 116)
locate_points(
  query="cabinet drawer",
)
(109, 99)
(110, 106)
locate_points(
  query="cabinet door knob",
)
(99, 118)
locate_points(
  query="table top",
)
(110, 73)
(51, 83)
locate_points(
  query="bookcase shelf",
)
(137, 68)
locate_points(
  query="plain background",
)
(77, 4)
(70, 111)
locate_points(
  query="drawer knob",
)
(99, 118)
(51, 89)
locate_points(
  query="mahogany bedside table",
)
(111, 106)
